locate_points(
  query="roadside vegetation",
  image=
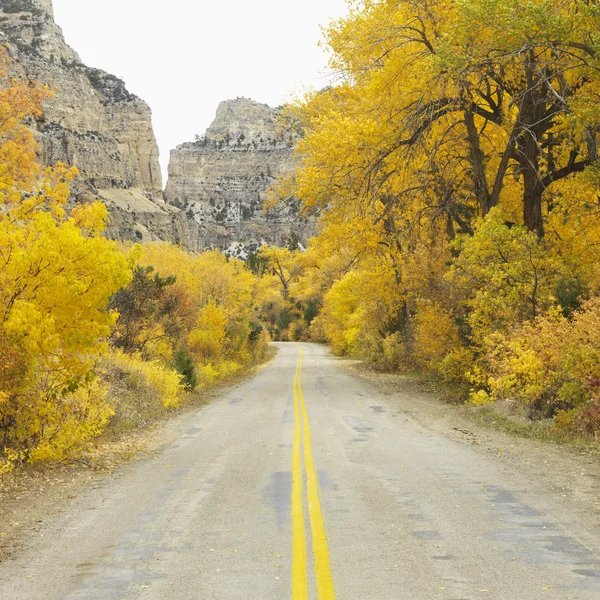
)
(95, 334)
(455, 168)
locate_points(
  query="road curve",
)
(305, 470)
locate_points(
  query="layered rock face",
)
(221, 180)
(217, 185)
(93, 122)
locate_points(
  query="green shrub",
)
(184, 365)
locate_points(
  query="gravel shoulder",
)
(572, 471)
(36, 494)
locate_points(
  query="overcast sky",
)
(184, 56)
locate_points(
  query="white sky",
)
(184, 56)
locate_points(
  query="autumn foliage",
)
(455, 168)
(56, 278)
(84, 320)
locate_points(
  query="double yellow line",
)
(323, 576)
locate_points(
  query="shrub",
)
(72, 421)
(505, 272)
(166, 383)
(184, 365)
(548, 364)
(587, 419)
(435, 335)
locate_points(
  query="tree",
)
(148, 311)
(448, 108)
(57, 275)
(284, 265)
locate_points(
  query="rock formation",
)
(217, 185)
(93, 122)
(221, 179)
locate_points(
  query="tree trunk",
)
(532, 208)
(533, 121)
(529, 151)
(476, 158)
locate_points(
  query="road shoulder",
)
(34, 494)
(568, 471)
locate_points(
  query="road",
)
(306, 482)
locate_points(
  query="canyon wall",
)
(217, 185)
(221, 180)
(92, 122)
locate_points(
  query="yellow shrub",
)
(10, 459)
(394, 351)
(480, 398)
(435, 334)
(210, 374)
(72, 421)
(506, 272)
(207, 375)
(547, 363)
(163, 380)
(228, 368)
(207, 339)
(518, 372)
(564, 421)
(358, 307)
(460, 368)
(317, 329)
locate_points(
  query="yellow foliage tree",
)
(207, 339)
(223, 295)
(455, 168)
(56, 278)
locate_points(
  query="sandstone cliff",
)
(93, 122)
(221, 180)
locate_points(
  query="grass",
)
(532, 430)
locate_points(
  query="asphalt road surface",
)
(305, 482)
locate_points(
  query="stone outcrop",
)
(221, 180)
(217, 184)
(93, 122)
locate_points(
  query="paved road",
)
(224, 513)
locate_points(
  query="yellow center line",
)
(299, 584)
(324, 579)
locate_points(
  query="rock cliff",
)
(93, 122)
(221, 180)
(217, 184)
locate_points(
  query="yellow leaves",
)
(56, 277)
(90, 218)
(18, 161)
(8, 461)
(209, 277)
(480, 398)
(357, 306)
(214, 300)
(207, 339)
(218, 291)
(436, 334)
(165, 382)
(70, 421)
(550, 358)
(284, 264)
(510, 272)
